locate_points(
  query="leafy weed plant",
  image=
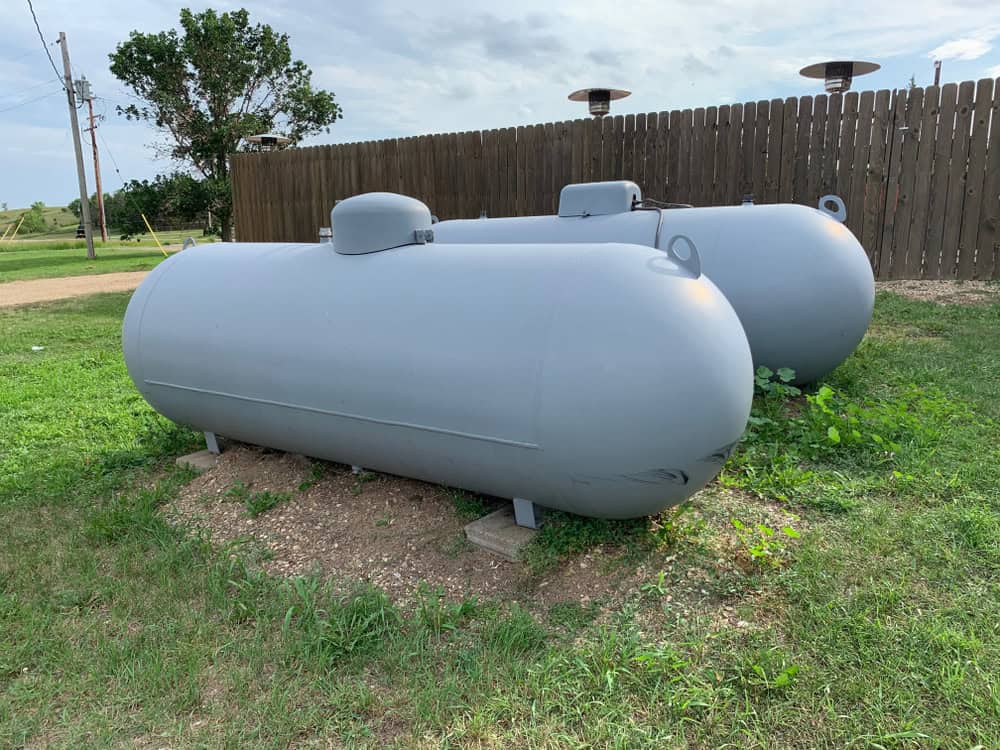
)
(261, 502)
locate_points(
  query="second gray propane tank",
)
(798, 279)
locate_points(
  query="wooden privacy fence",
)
(918, 170)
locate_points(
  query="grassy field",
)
(61, 225)
(36, 260)
(60, 221)
(871, 622)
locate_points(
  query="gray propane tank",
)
(798, 279)
(607, 380)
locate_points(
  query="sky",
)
(406, 68)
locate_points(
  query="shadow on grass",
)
(74, 479)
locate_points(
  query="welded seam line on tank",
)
(347, 415)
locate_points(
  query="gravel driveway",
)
(16, 293)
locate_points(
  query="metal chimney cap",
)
(838, 74)
(268, 141)
(584, 94)
(599, 99)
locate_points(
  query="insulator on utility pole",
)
(88, 227)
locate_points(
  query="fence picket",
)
(734, 155)
(816, 136)
(628, 149)
(859, 162)
(723, 151)
(639, 150)
(694, 160)
(894, 151)
(707, 155)
(988, 263)
(975, 180)
(786, 169)
(909, 142)
(651, 176)
(686, 128)
(913, 268)
(845, 156)
(772, 156)
(761, 133)
(957, 181)
(749, 139)
(938, 199)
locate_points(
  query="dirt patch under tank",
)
(945, 292)
(390, 531)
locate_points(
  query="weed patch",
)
(262, 502)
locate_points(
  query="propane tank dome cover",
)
(372, 222)
(598, 198)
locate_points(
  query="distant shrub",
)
(34, 219)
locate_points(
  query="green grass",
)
(20, 261)
(877, 628)
(53, 263)
(262, 502)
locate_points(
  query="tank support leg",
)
(527, 514)
(212, 443)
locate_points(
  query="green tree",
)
(167, 201)
(212, 84)
(34, 219)
(110, 205)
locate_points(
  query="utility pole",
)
(937, 72)
(87, 94)
(88, 227)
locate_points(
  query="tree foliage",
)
(168, 201)
(215, 82)
(34, 219)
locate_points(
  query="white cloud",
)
(969, 48)
(993, 72)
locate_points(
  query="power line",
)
(21, 56)
(114, 161)
(112, 100)
(30, 101)
(121, 178)
(13, 94)
(45, 46)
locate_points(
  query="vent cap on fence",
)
(372, 222)
(598, 198)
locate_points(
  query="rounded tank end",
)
(372, 222)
